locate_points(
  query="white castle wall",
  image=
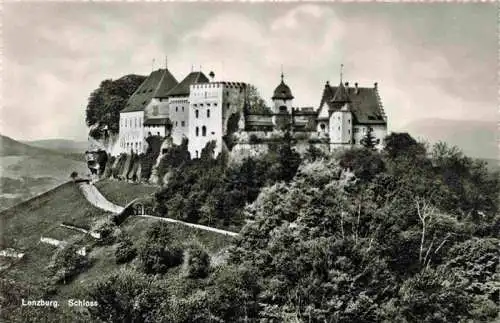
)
(210, 105)
(131, 132)
(179, 116)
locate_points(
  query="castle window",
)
(196, 153)
(377, 141)
(196, 113)
(213, 133)
(208, 113)
(203, 131)
(228, 106)
(349, 131)
(322, 126)
(348, 120)
(339, 128)
(182, 108)
(354, 141)
(176, 109)
(215, 104)
(183, 123)
(197, 131)
(176, 123)
(158, 133)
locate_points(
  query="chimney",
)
(356, 90)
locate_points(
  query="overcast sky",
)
(430, 60)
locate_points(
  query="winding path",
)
(95, 198)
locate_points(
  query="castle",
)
(203, 110)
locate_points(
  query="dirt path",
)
(95, 198)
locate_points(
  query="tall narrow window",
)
(208, 113)
(176, 109)
(197, 131)
(203, 131)
(197, 154)
(196, 113)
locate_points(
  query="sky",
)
(430, 60)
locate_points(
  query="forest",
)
(408, 234)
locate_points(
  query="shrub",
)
(125, 251)
(108, 231)
(66, 263)
(157, 258)
(196, 262)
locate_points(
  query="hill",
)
(476, 138)
(24, 224)
(26, 171)
(60, 145)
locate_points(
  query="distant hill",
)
(476, 138)
(11, 147)
(26, 171)
(61, 145)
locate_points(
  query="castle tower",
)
(282, 98)
(282, 104)
(341, 127)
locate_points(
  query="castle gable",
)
(365, 104)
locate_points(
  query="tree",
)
(106, 102)
(256, 102)
(397, 144)
(368, 141)
(197, 261)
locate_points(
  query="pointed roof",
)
(341, 94)
(365, 103)
(182, 89)
(282, 91)
(167, 83)
(155, 83)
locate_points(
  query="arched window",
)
(203, 131)
(196, 113)
(197, 131)
(196, 154)
(208, 113)
(322, 126)
(176, 109)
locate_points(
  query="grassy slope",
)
(121, 193)
(25, 223)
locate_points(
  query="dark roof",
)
(156, 122)
(182, 89)
(282, 91)
(156, 82)
(167, 83)
(341, 94)
(364, 103)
